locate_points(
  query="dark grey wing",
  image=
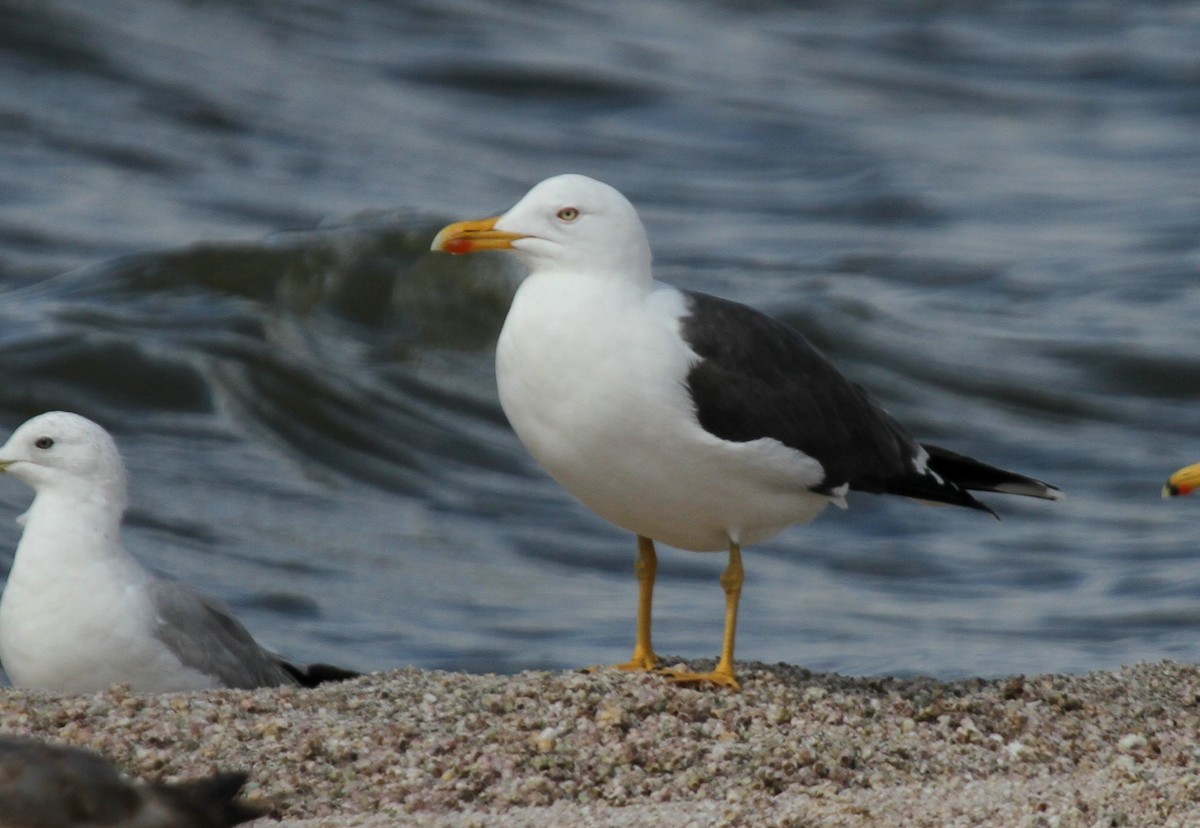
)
(757, 377)
(205, 636)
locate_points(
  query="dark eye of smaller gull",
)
(43, 442)
(568, 213)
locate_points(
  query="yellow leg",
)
(722, 675)
(646, 569)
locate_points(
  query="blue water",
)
(213, 230)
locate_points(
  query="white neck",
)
(72, 587)
(629, 263)
(74, 522)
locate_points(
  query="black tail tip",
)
(316, 674)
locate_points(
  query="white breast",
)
(592, 376)
(79, 623)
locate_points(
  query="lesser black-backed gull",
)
(682, 417)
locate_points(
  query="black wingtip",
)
(969, 473)
(948, 495)
(313, 675)
(950, 478)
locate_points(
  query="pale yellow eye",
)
(568, 214)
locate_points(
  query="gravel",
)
(795, 748)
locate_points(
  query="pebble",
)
(608, 748)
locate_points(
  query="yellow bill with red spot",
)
(473, 236)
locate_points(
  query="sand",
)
(413, 747)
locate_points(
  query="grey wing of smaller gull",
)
(54, 786)
(202, 632)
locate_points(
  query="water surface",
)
(214, 222)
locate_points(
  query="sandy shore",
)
(412, 747)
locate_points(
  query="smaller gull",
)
(79, 613)
(1182, 482)
(55, 786)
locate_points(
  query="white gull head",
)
(78, 612)
(568, 224)
(60, 452)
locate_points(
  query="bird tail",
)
(968, 473)
(950, 478)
